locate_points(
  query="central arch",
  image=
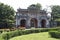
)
(23, 23)
(43, 23)
(33, 22)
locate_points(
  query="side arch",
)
(23, 23)
(43, 23)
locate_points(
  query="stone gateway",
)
(32, 17)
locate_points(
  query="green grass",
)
(34, 36)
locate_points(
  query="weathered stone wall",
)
(30, 14)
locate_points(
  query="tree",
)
(38, 6)
(55, 12)
(6, 16)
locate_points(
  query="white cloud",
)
(25, 3)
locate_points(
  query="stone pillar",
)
(28, 24)
(39, 25)
(17, 22)
(47, 23)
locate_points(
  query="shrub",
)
(55, 34)
(10, 34)
(4, 36)
(4, 30)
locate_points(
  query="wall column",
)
(39, 25)
(47, 23)
(28, 23)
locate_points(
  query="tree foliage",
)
(6, 15)
(38, 6)
(55, 12)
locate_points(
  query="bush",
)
(4, 36)
(10, 34)
(4, 30)
(55, 34)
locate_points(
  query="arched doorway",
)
(23, 23)
(43, 23)
(33, 22)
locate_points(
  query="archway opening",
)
(43, 23)
(23, 23)
(33, 22)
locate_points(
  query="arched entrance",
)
(33, 22)
(23, 23)
(43, 23)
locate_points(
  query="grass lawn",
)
(34, 36)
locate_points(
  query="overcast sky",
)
(25, 3)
